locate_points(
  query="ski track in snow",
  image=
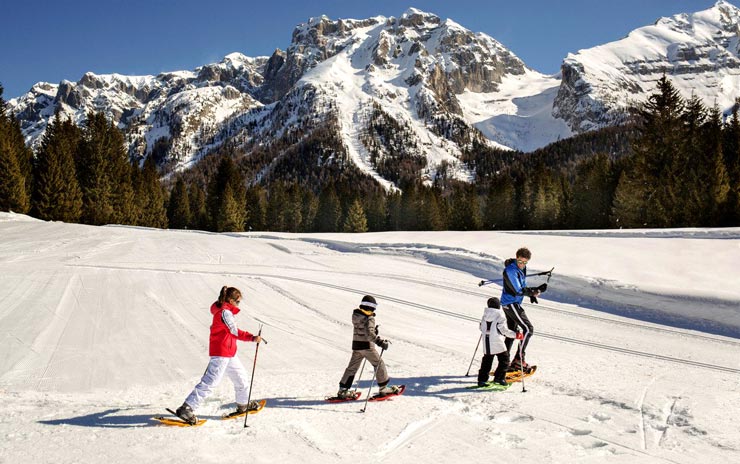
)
(427, 308)
(610, 388)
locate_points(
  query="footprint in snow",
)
(508, 418)
(598, 417)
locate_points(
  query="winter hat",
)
(368, 303)
(494, 302)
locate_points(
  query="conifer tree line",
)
(674, 165)
(78, 174)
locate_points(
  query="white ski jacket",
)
(494, 330)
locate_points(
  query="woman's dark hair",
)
(228, 293)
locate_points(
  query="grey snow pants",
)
(354, 364)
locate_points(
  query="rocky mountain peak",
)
(441, 85)
(419, 19)
(697, 51)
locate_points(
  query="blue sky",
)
(50, 41)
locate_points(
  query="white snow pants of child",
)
(217, 367)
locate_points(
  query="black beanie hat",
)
(494, 302)
(368, 303)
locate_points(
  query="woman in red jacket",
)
(222, 350)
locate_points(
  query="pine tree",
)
(278, 208)
(198, 212)
(222, 214)
(464, 209)
(293, 209)
(731, 152)
(593, 193)
(409, 208)
(376, 210)
(57, 195)
(714, 184)
(93, 171)
(687, 170)
(230, 212)
(431, 211)
(500, 210)
(646, 192)
(546, 203)
(309, 209)
(14, 178)
(356, 220)
(524, 197)
(393, 203)
(631, 197)
(256, 208)
(150, 196)
(178, 209)
(123, 196)
(329, 211)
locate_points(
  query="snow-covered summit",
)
(416, 72)
(697, 51)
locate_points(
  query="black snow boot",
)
(185, 412)
(252, 406)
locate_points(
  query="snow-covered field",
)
(101, 328)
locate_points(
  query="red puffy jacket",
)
(223, 342)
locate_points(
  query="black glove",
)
(542, 288)
(533, 300)
(383, 343)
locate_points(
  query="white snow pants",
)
(217, 367)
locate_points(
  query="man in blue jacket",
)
(513, 292)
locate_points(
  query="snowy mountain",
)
(104, 327)
(183, 109)
(431, 77)
(442, 88)
(699, 52)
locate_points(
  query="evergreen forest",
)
(675, 163)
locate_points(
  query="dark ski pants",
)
(516, 317)
(487, 362)
(354, 364)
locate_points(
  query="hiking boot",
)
(388, 390)
(345, 393)
(185, 412)
(517, 365)
(502, 382)
(252, 406)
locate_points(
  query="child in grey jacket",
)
(364, 337)
(494, 332)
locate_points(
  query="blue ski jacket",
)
(515, 282)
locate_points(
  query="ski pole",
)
(372, 382)
(521, 364)
(547, 273)
(474, 353)
(254, 366)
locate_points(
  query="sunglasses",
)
(522, 261)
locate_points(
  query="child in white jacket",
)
(494, 332)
